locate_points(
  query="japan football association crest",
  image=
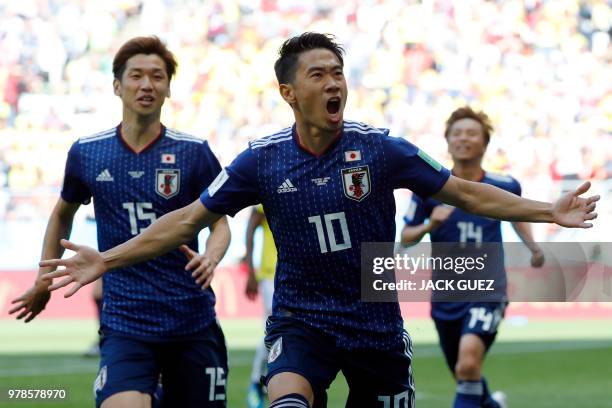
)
(356, 182)
(167, 182)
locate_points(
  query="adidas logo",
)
(105, 176)
(286, 187)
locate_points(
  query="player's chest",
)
(336, 182)
(163, 175)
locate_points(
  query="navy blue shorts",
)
(375, 377)
(481, 319)
(193, 371)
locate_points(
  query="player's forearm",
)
(489, 201)
(165, 234)
(414, 234)
(219, 240)
(523, 230)
(58, 228)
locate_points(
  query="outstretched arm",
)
(483, 199)
(165, 234)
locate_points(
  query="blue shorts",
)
(481, 319)
(193, 371)
(373, 376)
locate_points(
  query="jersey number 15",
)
(137, 212)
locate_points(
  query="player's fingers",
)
(73, 290)
(593, 199)
(207, 282)
(188, 252)
(52, 262)
(61, 283)
(590, 216)
(194, 262)
(23, 313)
(55, 274)
(583, 188)
(17, 308)
(31, 316)
(201, 269)
(586, 225)
(204, 275)
(589, 208)
(69, 245)
(18, 299)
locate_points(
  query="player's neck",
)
(138, 133)
(314, 139)
(472, 171)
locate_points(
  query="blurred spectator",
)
(540, 69)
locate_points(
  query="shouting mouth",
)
(333, 108)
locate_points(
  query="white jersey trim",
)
(176, 135)
(98, 136)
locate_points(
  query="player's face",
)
(144, 85)
(466, 140)
(319, 89)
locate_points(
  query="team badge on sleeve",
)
(167, 182)
(356, 182)
(275, 350)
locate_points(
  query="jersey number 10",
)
(329, 228)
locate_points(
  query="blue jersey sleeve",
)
(74, 189)
(412, 168)
(516, 187)
(235, 188)
(208, 168)
(418, 211)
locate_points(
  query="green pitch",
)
(538, 364)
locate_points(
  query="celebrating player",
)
(326, 186)
(155, 318)
(463, 338)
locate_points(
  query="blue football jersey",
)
(462, 226)
(158, 298)
(320, 209)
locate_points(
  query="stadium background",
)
(540, 69)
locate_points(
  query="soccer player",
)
(260, 281)
(467, 329)
(156, 318)
(326, 186)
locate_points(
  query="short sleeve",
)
(412, 168)
(74, 188)
(418, 211)
(209, 167)
(235, 188)
(516, 187)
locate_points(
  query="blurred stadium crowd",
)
(540, 69)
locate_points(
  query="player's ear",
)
(117, 87)
(287, 92)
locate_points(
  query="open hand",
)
(574, 211)
(32, 302)
(84, 267)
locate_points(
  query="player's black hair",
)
(147, 46)
(286, 64)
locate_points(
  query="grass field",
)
(538, 364)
